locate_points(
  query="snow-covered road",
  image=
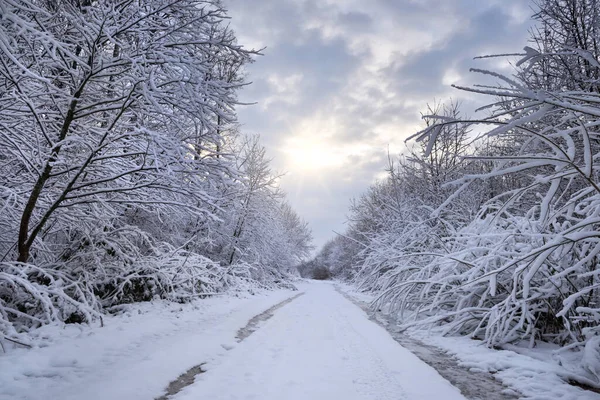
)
(316, 346)
(319, 346)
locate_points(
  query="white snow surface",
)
(320, 347)
(535, 373)
(134, 356)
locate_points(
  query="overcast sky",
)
(342, 81)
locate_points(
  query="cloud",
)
(342, 82)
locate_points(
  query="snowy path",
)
(316, 346)
(320, 346)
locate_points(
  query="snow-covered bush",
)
(523, 266)
(538, 260)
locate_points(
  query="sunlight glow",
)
(306, 154)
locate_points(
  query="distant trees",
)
(337, 259)
(496, 236)
(119, 172)
(321, 273)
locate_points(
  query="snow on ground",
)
(134, 356)
(534, 378)
(319, 347)
(532, 372)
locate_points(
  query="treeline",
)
(490, 227)
(123, 176)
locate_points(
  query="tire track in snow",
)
(188, 377)
(183, 380)
(255, 321)
(320, 347)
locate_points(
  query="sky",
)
(343, 82)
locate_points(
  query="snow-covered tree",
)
(118, 158)
(102, 105)
(504, 247)
(259, 227)
(523, 266)
(564, 27)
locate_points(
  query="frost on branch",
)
(118, 146)
(503, 244)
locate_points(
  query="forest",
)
(124, 175)
(489, 226)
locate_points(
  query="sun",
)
(310, 155)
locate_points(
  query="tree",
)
(404, 220)
(118, 161)
(565, 26)
(102, 103)
(523, 269)
(497, 237)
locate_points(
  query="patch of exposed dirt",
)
(583, 386)
(474, 385)
(183, 380)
